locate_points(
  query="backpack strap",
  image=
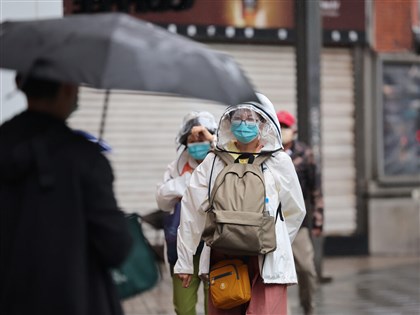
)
(226, 157)
(261, 158)
(211, 175)
(279, 213)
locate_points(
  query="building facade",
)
(390, 116)
(369, 110)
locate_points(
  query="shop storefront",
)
(393, 161)
(260, 36)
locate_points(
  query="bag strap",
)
(211, 175)
(279, 213)
(226, 157)
(139, 220)
(261, 158)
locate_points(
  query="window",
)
(400, 121)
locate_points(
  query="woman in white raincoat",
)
(250, 127)
(194, 140)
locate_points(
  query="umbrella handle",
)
(104, 113)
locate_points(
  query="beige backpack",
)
(237, 221)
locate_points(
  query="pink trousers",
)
(266, 299)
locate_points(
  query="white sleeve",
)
(293, 204)
(193, 217)
(170, 191)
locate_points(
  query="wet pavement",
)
(360, 285)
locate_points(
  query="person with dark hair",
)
(37, 88)
(303, 249)
(61, 230)
(194, 140)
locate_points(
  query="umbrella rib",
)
(104, 115)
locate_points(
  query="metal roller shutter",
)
(339, 173)
(141, 128)
(272, 70)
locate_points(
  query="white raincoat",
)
(281, 185)
(174, 183)
(173, 186)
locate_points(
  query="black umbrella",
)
(116, 51)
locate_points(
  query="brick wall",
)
(393, 20)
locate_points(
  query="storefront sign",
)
(255, 20)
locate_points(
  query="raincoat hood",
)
(263, 113)
(190, 120)
(195, 119)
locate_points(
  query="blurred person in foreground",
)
(303, 249)
(60, 226)
(194, 140)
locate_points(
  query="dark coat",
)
(60, 227)
(310, 182)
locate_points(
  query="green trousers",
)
(185, 299)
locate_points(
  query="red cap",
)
(286, 118)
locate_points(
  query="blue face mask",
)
(198, 150)
(244, 132)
